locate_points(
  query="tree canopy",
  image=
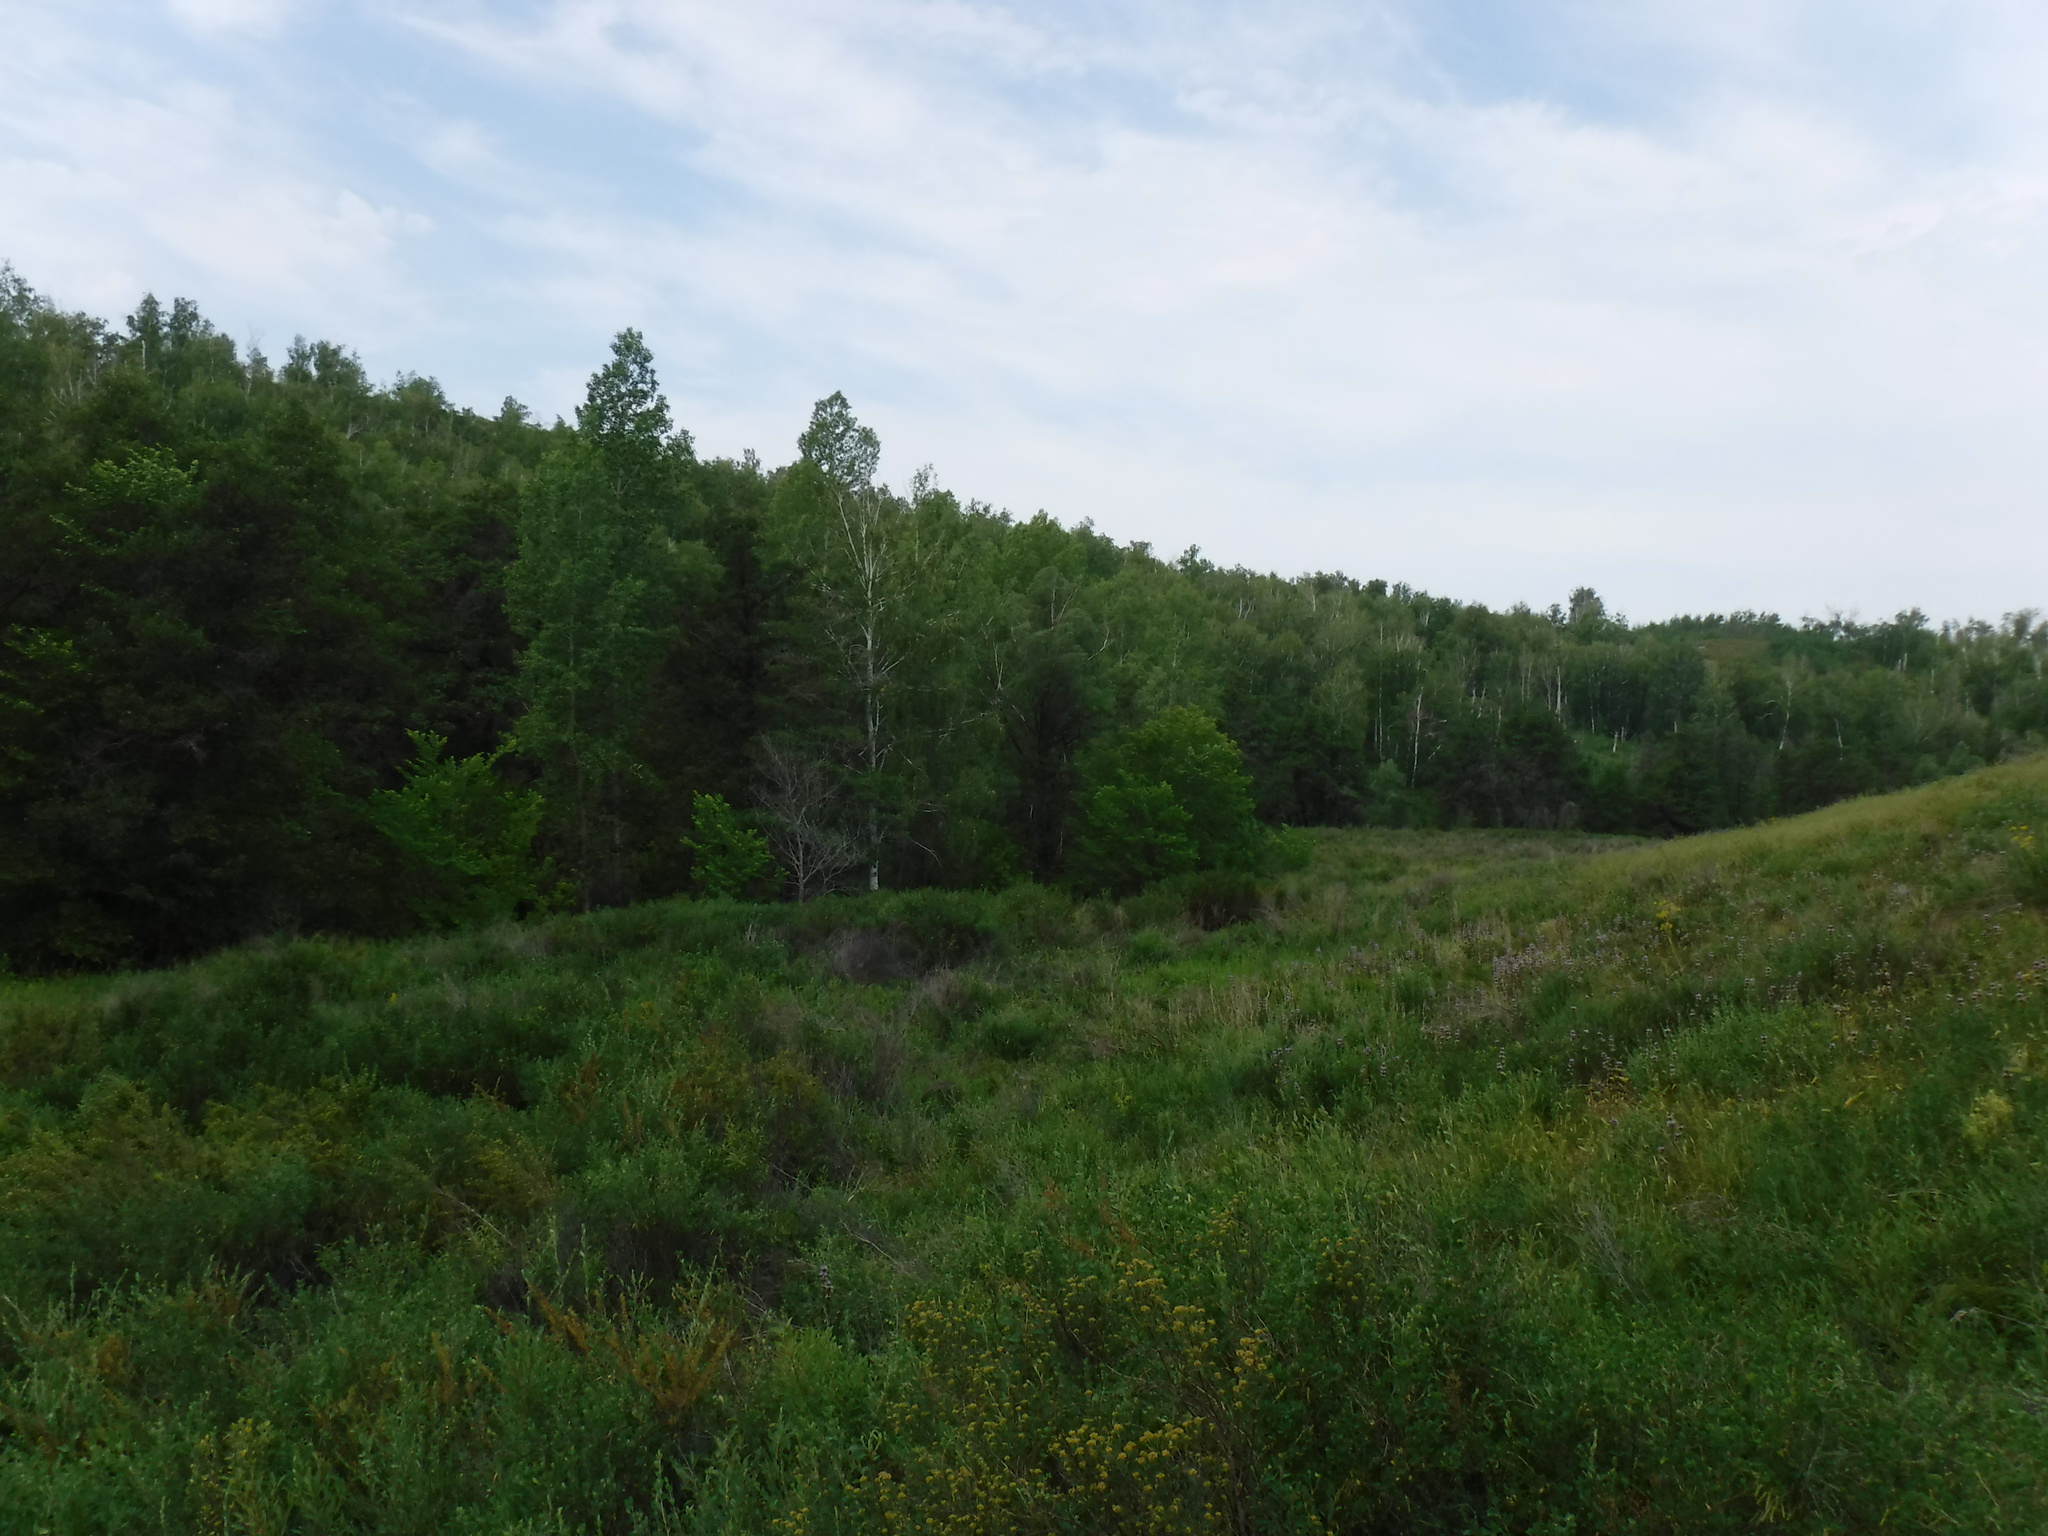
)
(234, 595)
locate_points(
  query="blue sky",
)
(1712, 306)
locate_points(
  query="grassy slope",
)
(1486, 1182)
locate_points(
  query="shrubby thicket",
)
(234, 594)
(1482, 1182)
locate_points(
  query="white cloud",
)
(120, 171)
(261, 17)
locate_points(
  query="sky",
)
(1710, 306)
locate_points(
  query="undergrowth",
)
(1460, 1182)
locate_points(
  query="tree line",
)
(285, 650)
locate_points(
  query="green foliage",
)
(1130, 835)
(1389, 802)
(143, 477)
(464, 840)
(1482, 1180)
(727, 855)
(1184, 749)
(2029, 856)
(1216, 898)
(227, 585)
(1289, 850)
(1171, 797)
(232, 582)
(598, 581)
(847, 452)
(1519, 769)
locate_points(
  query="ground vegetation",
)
(1469, 1180)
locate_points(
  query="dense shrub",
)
(1168, 798)
(1486, 1182)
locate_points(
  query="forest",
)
(283, 651)
(553, 985)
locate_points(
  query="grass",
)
(1479, 1182)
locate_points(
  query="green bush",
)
(1017, 1032)
(1131, 835)
(463, 840)
(1686, 1187)
(726, 855)
(1216, 898)
(1167, 798)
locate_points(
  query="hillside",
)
(286, 651)
(1454, 1181)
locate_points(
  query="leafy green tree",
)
(726, 855)
(220, 591)
(224, 587)
(217, 663)
(597, 589)
(1517, 768)
(1171, 796)
(1131, 834)
(734, 672)
(1041, 648)
(1389, 802)
(464, 840)
(1186, 750)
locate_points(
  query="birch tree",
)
(865, 560)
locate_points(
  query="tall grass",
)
(1473, 1183)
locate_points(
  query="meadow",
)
(1472, 1181)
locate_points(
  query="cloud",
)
(1713, 307)
(260, 17)
(122, 167)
